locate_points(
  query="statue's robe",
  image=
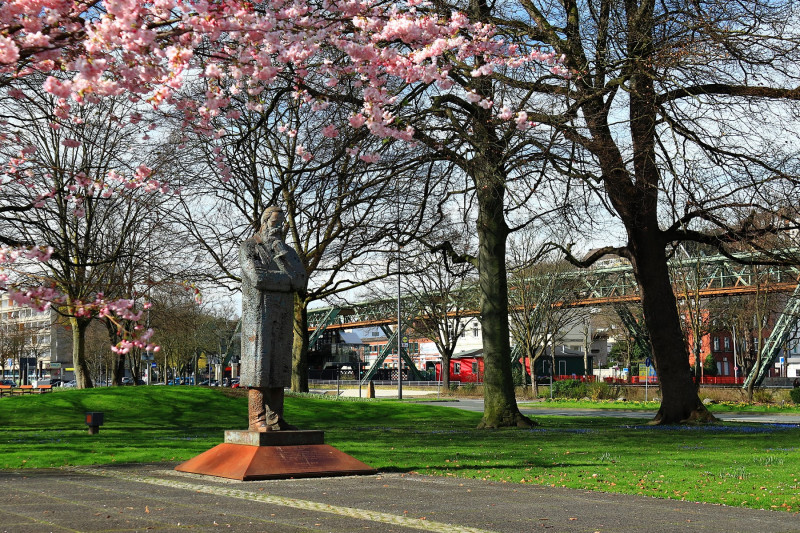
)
(272, 274)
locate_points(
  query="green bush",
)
(569, 388)
(794, 394)
(710, 366)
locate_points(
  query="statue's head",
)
(272, 218)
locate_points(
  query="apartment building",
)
(33, 345)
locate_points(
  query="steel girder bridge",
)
(707, 276)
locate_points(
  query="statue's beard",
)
(276, 233)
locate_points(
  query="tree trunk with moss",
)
(500, 406)
(83, 378)
(300, 346)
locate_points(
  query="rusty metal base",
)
(251, 462)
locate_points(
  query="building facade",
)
(33, 344)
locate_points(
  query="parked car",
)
(69, 384)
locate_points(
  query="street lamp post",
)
(399, 308)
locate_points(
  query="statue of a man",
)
(272, 274)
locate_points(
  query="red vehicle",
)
(466, 367)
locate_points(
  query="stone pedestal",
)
(251, 455)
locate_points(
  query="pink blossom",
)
(473, 97)
(370, 157)
(9, 52)
(62, 89)
(213, 71)
(357, 120)
(330, 131)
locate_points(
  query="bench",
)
(8, 390)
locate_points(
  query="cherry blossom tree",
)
(390, 53)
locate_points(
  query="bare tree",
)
(340, 210)
(90, 226)
(442, 298)
(666, 109)
(696, 322)
(750, 319)
(540, 289)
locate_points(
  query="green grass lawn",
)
(736, 464)
(719, 407)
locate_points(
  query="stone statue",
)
(272, 274)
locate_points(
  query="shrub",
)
(794, 394)
(469, 388)
(763, 396)
(603, 391)
(569, 388)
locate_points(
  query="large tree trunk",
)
(118, 368)
(83, 378)
(300, 346)
(679, 399)
(446, 356)
(500, 406)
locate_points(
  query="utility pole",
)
(399, 308)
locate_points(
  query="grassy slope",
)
(751, 465)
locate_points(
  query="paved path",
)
(126, 498)
(763, 418)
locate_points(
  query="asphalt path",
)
(154, 497)
(760, 418)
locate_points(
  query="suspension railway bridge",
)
(705, 277)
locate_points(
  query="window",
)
(475, 368)
(475, 330)
(727, 343)
(456, 368)
(716, 344)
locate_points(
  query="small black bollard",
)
(94, 420)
